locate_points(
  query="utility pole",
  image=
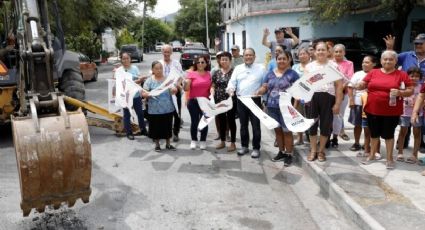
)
(143, 24)
(206, 24)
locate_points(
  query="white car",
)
(158, 46)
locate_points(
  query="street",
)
(134, 187)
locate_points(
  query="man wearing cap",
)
(288, 43)
(237, 59)
(245, 81)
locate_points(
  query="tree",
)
(190, 19)
(124, 37)
(157, 31)
(332, 10)
(86, 43)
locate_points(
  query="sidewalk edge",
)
(341, 199)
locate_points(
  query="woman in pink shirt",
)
(198, 83)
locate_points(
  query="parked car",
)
(355, 48)
(177, 46)
(190, 53)
(194, 45)
(134, 52)
(158, 46)
(88, 68)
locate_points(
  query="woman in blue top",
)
(137, 100)
(160, 108)
(276, 81)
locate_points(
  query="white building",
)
(108, 41)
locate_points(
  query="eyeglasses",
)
(200, 62)
(418, 43)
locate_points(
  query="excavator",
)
(41, 95)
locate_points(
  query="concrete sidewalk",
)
(370, 195)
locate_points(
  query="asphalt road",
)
(135, 187)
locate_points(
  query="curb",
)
(336, 194)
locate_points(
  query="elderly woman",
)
(382, 115)
(276, 81)
(325, 103)
(346, 67)
(137, 100)
(160, 108)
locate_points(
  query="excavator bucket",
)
(53, 154)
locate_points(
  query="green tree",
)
(333, 10)
(125, 37)
(157, 30)
(86, 42)
(190, 19)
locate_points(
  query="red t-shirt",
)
(201, 84)
(379, 85)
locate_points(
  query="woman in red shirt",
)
(383, 116)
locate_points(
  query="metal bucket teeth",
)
(54, 163)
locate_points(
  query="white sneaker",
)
(255, 153)
(203, 145)
(193, 145)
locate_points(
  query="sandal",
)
(312, 156)
(421, 162)
(412, 160)
(390, 164)
(400, 157)
(362, 154)
(345, 137)
(378, 156)
(321, 156)
(368, 161)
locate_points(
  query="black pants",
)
(176, 116)
(195, 116)
(227, 119)
(245, 115)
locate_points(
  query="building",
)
(244, 21)
(108, 41)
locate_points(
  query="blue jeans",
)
(245, 115)
(195, 116)
(138, 108)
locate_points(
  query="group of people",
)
(379, 99)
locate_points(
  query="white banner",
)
(265, 119)
(304, 88)
(211, 109)
(171, 80)
(204, 122)
(112, 108)
(122, 93)
(294, 121)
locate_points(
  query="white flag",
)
(211, 109)
(265, 119)
(112, 108)
(122, 92)
(304, 88)
(294, 121)
(169, 82)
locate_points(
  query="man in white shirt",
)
(168, 65)
(245, 81)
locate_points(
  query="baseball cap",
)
(280, 29)
(235, 47)
(419, 39)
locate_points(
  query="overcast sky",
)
(163, 8)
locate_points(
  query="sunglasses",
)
(200, 62)
(418, 43)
